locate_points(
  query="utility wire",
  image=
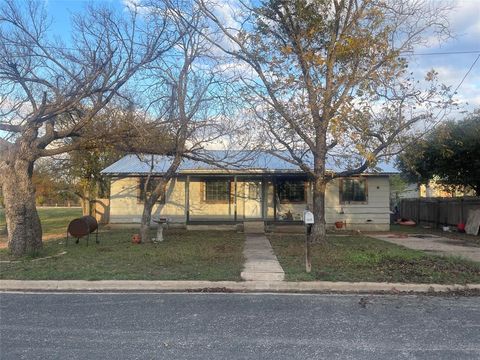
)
(436, 122)
(454, 92)
(441, 53)
(466, 74)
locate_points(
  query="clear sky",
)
(465, 23)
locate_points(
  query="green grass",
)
(360, 258)
(421, 230)
(192, 255)
(54, 220)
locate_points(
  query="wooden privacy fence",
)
(438, 211)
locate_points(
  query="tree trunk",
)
(88, 206)
(150, 201)
(87, 202)
(146, 220)
(23, 223)
(319, 233)
(85, 206)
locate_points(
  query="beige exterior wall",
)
(201, 210)
(375, 214)
(125, 208)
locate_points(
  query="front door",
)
(253, 200)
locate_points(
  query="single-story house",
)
(264, 189)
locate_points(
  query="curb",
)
(230, 286)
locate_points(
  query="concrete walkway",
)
(434, 244)
(261, 264)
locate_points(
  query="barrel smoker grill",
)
(81, 227)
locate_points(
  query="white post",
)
(160, 232)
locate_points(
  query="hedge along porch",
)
(266, 189)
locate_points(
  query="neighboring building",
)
(264, 189)
(409, 191)
(430, 190)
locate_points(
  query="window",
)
(291, 191)
(217, 191)
(353, 191)
(152, 184)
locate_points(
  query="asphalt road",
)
(237, 326)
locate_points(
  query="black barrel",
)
(82, 226)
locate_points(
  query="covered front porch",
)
(232, 199)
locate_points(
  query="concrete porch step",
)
(254, 227)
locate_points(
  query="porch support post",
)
(274, 183)
(264, 199)
(235, 198)
(187, 199)
(310, 195)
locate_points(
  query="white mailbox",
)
(308, 217)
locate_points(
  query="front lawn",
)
(184, 255)
(361, 258)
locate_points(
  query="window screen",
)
(217, 190)
(353, 190)
(291, 191)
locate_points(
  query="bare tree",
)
(187, 93)
(51, 92)
(328, 79)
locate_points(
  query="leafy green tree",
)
(84, 168)
(51, 186)
(398, 184)
(450, 154)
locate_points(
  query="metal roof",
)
(219, 161)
